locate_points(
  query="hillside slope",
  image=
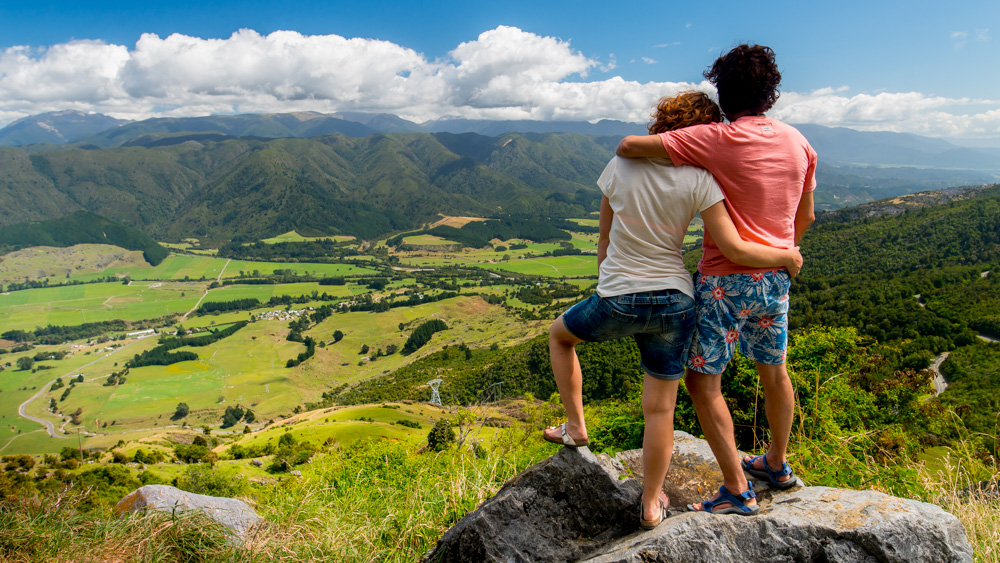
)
(208, 185)
(82, 227)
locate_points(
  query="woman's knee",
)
(559, 334)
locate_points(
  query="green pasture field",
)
(181, 266)
(427, 240)
(483, 256)
(78, 304)
(584, 241)
(343, 425)
(586, 222)
(94, 366)
(470, 320)
(189, 248)
(265, 292)
(552, 266)
(695, 232)
(292, 236)
(247, 368)
(329, 270)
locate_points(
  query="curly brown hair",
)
(683, 110)
(747, 79)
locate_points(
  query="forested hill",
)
(921, 274)
(81, 227)
(937, 229)
(215, 187)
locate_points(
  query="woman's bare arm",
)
(746, 253)
(604, 239)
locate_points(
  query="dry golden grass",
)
(457, 222)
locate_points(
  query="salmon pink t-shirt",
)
(763, 166)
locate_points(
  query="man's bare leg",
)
(779, 403)
(717, 425)
(569, 379)
(659, 397)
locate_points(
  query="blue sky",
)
(921, 67)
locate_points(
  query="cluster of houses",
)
(282, 315)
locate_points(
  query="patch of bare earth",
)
(457, 222)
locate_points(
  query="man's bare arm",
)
(804, 215)
(723, 231)
(636, 146)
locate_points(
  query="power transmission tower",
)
(435, 395)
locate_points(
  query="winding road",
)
(49, 427)
(203, 295)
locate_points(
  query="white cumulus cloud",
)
(504, 73)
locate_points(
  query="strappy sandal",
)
(565, 439)
(770, 474)
(737, 503)
(650, 524)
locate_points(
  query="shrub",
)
(441, 436)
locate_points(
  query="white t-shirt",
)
(653, 203)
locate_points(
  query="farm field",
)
(87, 303)
(247, 368)
(175, 267)
(428, 240)
(551, 266)
(292, 236)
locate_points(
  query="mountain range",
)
(210, 186)
(837, 146)
(258, 175)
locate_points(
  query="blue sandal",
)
(737, 503)
(770, 474)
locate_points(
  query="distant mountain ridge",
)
(57, 127)
(836, 146)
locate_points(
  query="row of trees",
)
(161, 355)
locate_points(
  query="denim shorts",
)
(661, 322)
(749, 308)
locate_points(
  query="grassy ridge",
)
(82, 227)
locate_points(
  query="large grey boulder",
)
(560, 509)
(237, 516)
(576, 506)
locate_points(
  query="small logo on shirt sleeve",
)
(765, 128)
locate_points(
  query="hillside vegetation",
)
(223, 177)
(81, 227)
(181, 187)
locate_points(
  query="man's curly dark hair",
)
(747, 79)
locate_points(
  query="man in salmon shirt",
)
(767, 171)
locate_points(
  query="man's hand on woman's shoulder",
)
(638, 146)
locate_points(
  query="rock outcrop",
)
(576, 506)
(237, 516)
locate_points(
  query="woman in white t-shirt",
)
(643, 289)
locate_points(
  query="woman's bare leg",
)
(569, 378)
(659, 398)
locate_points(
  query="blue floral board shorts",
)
(661, 322)
(749, 308)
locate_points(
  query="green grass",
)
(174, 267)
(319, 270)
(427, 240)
(78, 304)
(292, 236)
(558, 266)
(343, 425)
(247, 368)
